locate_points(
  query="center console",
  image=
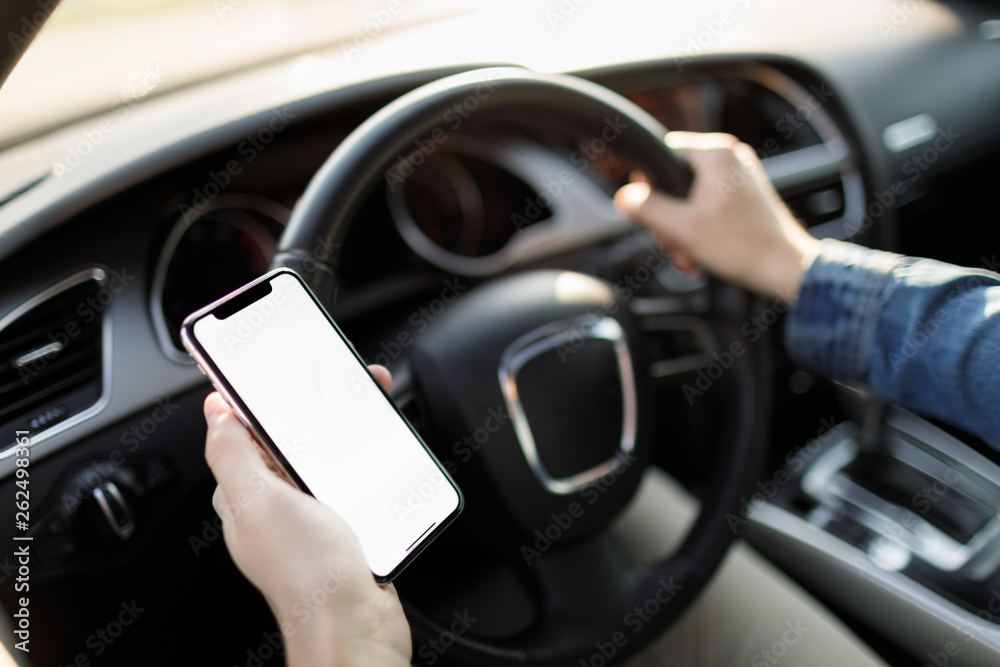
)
(897, 523)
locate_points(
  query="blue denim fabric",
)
(920, 333)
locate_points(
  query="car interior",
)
(441, 176)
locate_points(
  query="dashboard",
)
(480, 207)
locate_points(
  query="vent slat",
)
(88, 357)
(50, 393)
(85, 341)
(41, 333)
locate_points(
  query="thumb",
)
(662, 214)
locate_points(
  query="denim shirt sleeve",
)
(920, 333)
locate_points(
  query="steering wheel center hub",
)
(550, 352)
(570, 392)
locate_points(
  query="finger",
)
(638, 177)
(679, 258)
(630, 198)
(683, 262)
(658, 212)
(669, 217)
(231, 452)
(652, 208)
(381, 374)
(679, 140)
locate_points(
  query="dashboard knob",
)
(107, 513)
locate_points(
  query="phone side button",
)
(239, 415)
(243, 420)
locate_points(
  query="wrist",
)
(310, 647)
(808, 249)
(788, 269)
(327, 636)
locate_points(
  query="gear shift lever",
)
(867, 411)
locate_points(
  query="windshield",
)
(98, 55)
(95, 55)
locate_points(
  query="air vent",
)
(51, 351)
(819, 202)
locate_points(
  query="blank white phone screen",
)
(325, 414)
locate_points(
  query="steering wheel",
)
(561, 353)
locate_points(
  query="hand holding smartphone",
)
(289, 373)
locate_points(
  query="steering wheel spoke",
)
(581, 588)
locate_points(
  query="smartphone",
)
(278, 358)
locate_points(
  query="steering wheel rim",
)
(320, 220)
(311, 245)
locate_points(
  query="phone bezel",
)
(231, 395)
